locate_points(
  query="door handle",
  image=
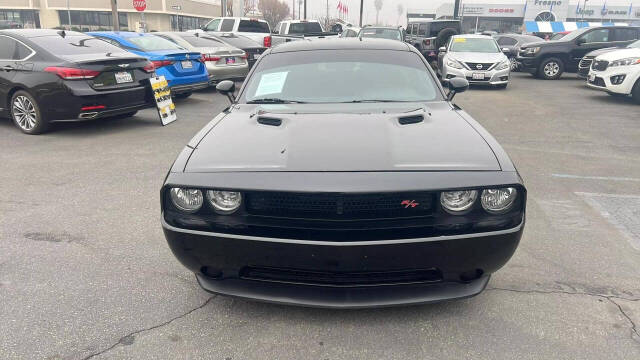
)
(7, 68)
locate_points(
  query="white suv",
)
(617, 72)
(257, 30)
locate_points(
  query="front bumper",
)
(528, 63)
(602, 79)
(227, 72)
(491, 77)
(463, 264)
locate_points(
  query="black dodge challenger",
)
(343, 176)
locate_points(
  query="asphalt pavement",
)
(85, 271)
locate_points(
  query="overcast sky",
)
(389, 12)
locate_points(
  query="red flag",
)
(339, 6)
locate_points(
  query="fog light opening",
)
(617, 79)
(469, 276)
(210, 272)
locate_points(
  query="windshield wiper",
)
(370, 101)
(274, 101)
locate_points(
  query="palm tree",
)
(378, 4)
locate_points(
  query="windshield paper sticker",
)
(459, 40)
(271, 83)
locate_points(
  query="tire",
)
(617, 95)
(26, 114)
(182, 96)
(635, 92)
(444, 35)
(551, 68)
(514, 64)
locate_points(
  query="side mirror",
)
(227, 87)
(505, 50)
(457, 85)
(442, 49)
(203, 27)
(581, 41)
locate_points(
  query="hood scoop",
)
(414, 119)
(271, 121)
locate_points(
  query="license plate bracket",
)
(186, 64)
(477, 76)
(123, 77)
(230, 60)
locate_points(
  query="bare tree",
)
(249, 6)
(400, 12)
(378, 5)
(273, 11)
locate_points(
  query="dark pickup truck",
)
(549, 59)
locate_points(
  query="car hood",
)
(598, 52)
(337, 137)
(619, 54)
(477, 57)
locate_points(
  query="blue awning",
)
(558, 26)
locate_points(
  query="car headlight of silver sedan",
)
(506, 64)
(626, 61)
(454, 64)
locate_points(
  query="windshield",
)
(305, 28)
(575, 33)
(557, 36)
(391, 34)
(253, 26)
(153, 43)
(634, 45)
(331, 76)
(461, 44)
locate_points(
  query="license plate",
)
(231, 60)
(592, 77)
(477, 76)
(123, 77)
(186, 64)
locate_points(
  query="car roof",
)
(381, 27)
(342, 44)
(30, 33)
(120, 34)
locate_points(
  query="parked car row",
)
(55, 75)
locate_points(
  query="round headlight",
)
(456, 202)
(497, 201)
(224, 202)
(187, 200)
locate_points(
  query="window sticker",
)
(271, 83)
(459, 40)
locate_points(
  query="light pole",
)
(69, 14)
(361, 5)
(584, 7)
(114, 15)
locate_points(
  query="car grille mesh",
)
(483, 66)
(340, 206)
(600, 65)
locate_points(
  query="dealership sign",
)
(140, 5)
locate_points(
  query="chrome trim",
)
(33, 52)
(341, 243)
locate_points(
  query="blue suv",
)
(184, 70)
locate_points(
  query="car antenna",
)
(62, 33)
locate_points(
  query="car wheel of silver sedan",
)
(26, 113)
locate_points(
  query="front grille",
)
(585, 62)
(339, 206)
(483, 66)
(600, 65)
(598, 81)
(341, 279)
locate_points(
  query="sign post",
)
(177, 8)
(141, 6)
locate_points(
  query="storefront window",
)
(28, 19)
(184, 23)
(90, 20)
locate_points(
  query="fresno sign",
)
(140, 5)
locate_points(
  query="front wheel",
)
(551, 69)
(635, 93)
(26, 114)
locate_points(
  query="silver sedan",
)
(477, 58)
(223, 61)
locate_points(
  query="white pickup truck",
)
(292, 30)
(257, 30)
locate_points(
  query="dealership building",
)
(159, 15)
(511, 17)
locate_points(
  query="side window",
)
(413, 29)
(213, 25)
(422, 30)
(625, 34)
(283, 28)
(227, 25)
(7, 48)
(506, 41)
(110, 41)
(601, 35)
